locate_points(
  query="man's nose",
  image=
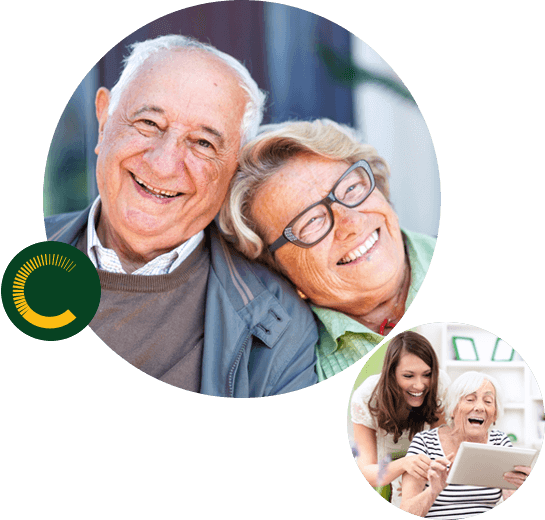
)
(166, 156)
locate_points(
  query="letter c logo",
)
(51, 291)
(44, 322)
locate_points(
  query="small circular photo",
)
(446, 421)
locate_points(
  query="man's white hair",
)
(468, 383)
(141, 51)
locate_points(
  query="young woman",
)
(389, 408)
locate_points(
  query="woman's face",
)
(329, 272)
(476, 412)
(413, 376)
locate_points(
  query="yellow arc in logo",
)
(44, 322)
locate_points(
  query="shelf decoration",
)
(502, 351)
(464, 349)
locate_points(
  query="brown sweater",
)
(156, 323)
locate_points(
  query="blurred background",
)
(309, 66)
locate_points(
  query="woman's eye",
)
(204, 143)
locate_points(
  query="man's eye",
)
(204, 143)
(147, 127)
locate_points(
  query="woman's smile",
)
(413, 376)
(415, 399)
(360, 251)
(361, 260)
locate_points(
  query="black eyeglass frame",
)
(288, 236)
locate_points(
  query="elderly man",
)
(177, 302)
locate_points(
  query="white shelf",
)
(522, 398)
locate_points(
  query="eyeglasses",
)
(314, 223)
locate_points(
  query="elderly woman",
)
(311, 202)
(472, 406)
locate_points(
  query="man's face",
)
(167, 153)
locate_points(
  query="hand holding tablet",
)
(518, 475)
(491, 466)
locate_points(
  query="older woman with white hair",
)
(474, 402)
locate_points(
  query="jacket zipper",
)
(230, 377)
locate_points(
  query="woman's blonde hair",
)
(267, 153)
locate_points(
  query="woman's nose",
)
(348, 221)
(419, 385)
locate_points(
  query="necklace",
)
(402, 296)
(386, 323)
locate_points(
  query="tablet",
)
(484, 464)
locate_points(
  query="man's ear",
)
(102, 102)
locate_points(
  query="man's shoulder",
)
(66, 227)
(244, 295)
(250, 279)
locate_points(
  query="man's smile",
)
(161, 194)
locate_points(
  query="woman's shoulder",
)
(426, 442)
(419, 239)
(359, 404)
(428, 435)
(364, 391)
(499, 438)
(420, 248)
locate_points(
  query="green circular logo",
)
(50, 291)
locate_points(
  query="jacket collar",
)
(67, 227)
(255, 304)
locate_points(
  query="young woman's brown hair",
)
(387, 402)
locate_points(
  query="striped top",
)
(458, 501)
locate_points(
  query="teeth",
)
(416, 395)
(162, 194)
(476, 419)
(353, 255)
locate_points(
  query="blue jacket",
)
(259, 337)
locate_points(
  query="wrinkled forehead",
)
(192, 88)
(310, 171)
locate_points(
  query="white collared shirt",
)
(107, 259)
